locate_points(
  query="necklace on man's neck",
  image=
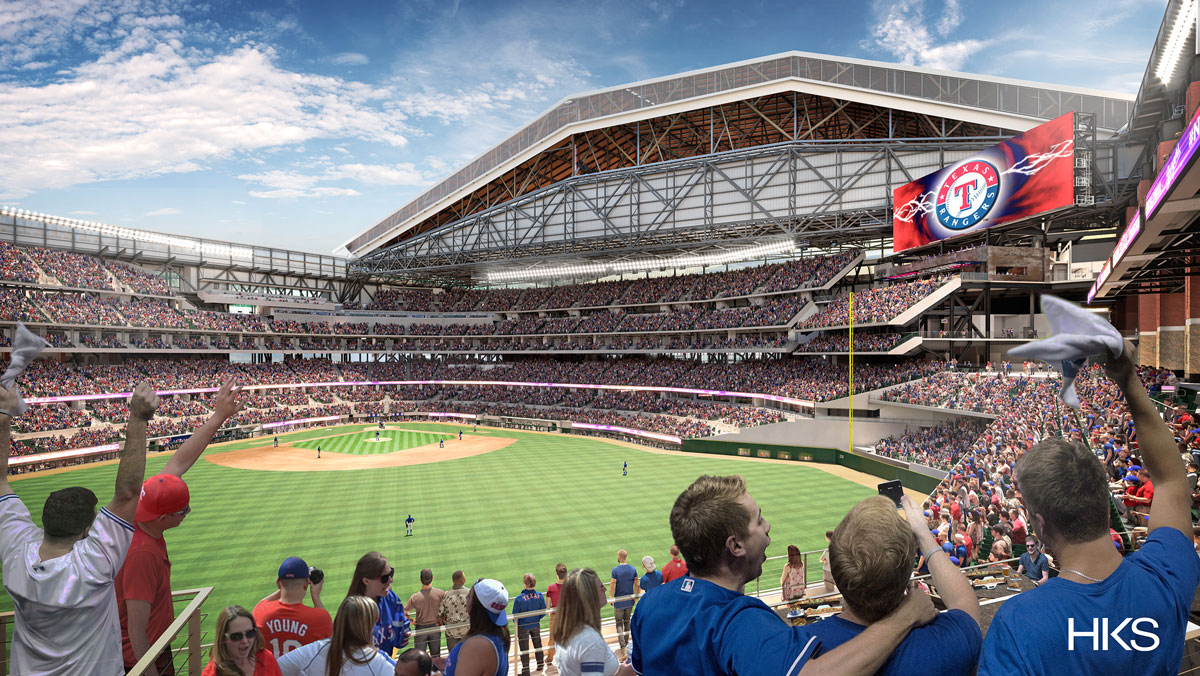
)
(1086, 577)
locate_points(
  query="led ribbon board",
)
(1030, 174)
(1177, 162)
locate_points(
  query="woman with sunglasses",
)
(349, 652)
(373, 579)
(239, 649)
(577, 629)
(484, 650)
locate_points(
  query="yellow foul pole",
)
(850, 427)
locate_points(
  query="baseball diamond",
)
(544, 499)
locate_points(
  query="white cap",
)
(494, 598)
(648, 562)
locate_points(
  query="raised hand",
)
(226, 404)
(10, 400)
(144, 401)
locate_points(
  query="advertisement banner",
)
(1029, 174)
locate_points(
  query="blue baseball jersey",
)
(393, 628)
(948, 645)
(529, 600)
(625, 576)
(1132, 622)
(694, 627)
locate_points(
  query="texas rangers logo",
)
(968, 194)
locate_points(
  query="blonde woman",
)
(793, 580)
(239, 650)
(580, 647)
(350, 652)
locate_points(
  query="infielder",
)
(408, 525)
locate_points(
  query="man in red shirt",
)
(1140, 499)
(674, 568)
(144, 583)
(285, 622)
(552, 594)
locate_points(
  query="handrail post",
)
(195, 636)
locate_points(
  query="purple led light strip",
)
(1179, 158)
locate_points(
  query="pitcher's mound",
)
(377, 440)
(288, 458)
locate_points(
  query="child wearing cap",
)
(484, 651)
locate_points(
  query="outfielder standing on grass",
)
(144, 583)
(61, 580)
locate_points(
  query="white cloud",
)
(292, 184)
(238, 202)
(351, 59)
(293, 193)
(165, 211)
(148, 107)
(83, 213)
(901, 30)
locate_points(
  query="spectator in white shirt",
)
(61, 579)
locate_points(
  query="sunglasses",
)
(239, 635)
(387, 577)
(183, 512)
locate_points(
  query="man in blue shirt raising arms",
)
(1102, 614)
(704, 624)
(871, 557)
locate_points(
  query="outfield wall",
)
(883, 468)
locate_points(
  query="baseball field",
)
(498, 503)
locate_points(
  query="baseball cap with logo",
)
(293, 568)
(494, 598)
(162, 494)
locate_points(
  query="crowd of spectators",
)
(72, 269)
(15, 266)
(47, 417)
(877, 305)
(151, 313)
(138, 280)
(78, 308)
(839, 341)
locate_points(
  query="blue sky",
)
(298, 124)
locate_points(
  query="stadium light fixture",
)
(644, 265)
(1181, 29)
(187, 243)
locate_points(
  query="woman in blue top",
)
(484, 651)
(373, 579)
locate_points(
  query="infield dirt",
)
(288, 458)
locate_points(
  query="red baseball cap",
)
(161, 494)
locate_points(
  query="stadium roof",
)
(989, 102)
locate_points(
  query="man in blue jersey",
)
(624, 578)
(871, 557)
(704, 624)
(1102, 614)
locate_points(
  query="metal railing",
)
(187, 659)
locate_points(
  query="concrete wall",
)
(823, 432)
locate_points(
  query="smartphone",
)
(893, 490)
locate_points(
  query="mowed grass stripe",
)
(524, 508)
(364, 444)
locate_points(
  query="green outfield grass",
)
(364, 443)
(541, 500)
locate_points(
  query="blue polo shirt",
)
(625, 576)
(694, 627)
(1066, 627)
(948, 645)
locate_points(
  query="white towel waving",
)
(1076, 334)
(26, 347)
